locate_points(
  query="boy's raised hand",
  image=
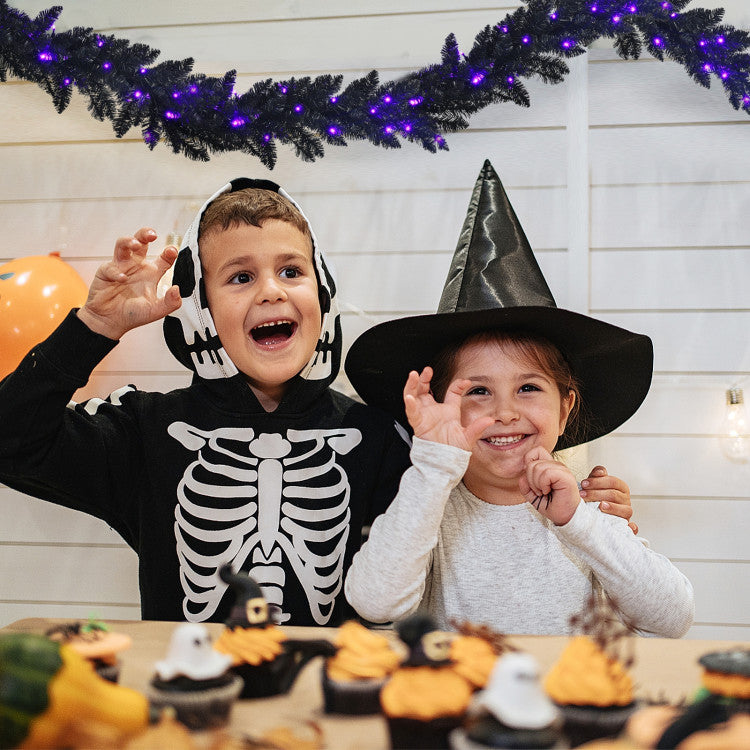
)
(123, 294)
(550, 486)
(612, 494)
(440, 422)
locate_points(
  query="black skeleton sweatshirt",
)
(202, 475)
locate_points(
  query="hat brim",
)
(613, 366)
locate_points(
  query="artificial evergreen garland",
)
(198, 115)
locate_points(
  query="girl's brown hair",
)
(537, 349)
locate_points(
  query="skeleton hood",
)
(191, 335)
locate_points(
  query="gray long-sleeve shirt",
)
(440, 548)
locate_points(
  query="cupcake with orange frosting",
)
(260, 651)
(425, 698)
(95, 642)
(353, 677)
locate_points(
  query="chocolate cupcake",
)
(195, 680)
(353, 678)
(260, 652)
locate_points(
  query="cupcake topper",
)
(599, 621)
(428, 646)
(250, 608)
(191, 654)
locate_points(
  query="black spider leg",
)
(537, 501)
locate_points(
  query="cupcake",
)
(96, 643)
(425, 698)
(353, 677)
(474, 651)
(511, 712)
(194, 679)
(724, 696)
(590, 683)
(260, 653)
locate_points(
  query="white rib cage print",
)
(256, 499)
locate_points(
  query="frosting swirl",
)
(361, 654)
(251, 645)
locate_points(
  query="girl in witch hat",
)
(488, 526)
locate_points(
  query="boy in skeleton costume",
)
(277, 479)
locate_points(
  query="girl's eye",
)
(243, 277)
(477, 390)
(529, 388)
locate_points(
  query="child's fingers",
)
(476, 428)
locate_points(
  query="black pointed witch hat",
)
(495, 283)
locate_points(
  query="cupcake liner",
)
(109, 672)
(490, 733)
(413, 734)
(199, 709)
(350, 696)
(585, 723)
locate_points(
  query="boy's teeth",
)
(274, 323)
(504, 440)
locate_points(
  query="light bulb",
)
(735, 440)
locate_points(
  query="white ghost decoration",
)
(514, 695)
(192, 654)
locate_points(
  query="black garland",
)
(198, 115)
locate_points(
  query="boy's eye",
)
(291, 272)
(243, 277)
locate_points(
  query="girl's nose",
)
(505, 411)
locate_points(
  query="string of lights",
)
(198, 115)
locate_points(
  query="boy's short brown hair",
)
(251, 206)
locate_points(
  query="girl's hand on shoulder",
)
(550, 486)
(436, 421)
(123, 294)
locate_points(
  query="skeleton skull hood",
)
(191, 335)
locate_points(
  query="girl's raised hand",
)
(550, 486)
(440, 422)
(123, 294)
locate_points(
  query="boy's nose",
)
(271, 289)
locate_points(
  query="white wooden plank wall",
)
(665, 249)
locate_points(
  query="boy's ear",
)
(566, 406)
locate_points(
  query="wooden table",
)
(663, 668)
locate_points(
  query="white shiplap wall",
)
(630, 180)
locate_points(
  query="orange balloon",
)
(36, 293)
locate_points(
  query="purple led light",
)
(175, 95)
(504, 28)
(373, 110)
(416, 100)
(333, 99)
(150, 137)
(267, 137)
(67, 81)
(568, 43)
(526, 39)
(388, 129)
(725, 74)
(107, 65)
(298, 108)
(707, 67)
(439, 140)
(333, 130)
(746, 100)
(407, 127)
(237, 121)
(170, 115)
(657, 41)
(387, 99)
(702, 43)
(510, 80)
(674, 15)
(99, 42)
(143, 71)
(594, 8)
(477, 79)
(633, 9)
(553, 15)
(283, 88)
(193, 89)
(616, 18)
(666, 6)
(137, 94)
(46, 56)
(720, 40)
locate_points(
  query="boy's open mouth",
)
(273, 332)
